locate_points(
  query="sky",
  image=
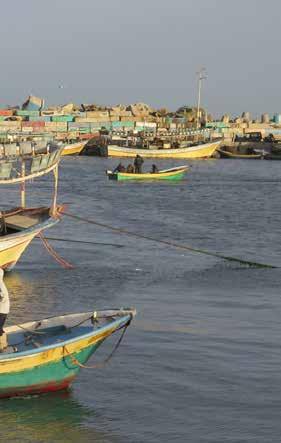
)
(127, 51)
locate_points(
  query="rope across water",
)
(171, 243)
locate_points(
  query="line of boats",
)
(44, 355)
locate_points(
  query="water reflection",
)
(48, 418)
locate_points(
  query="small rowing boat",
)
(164, 174)
(227, 154)
(47, 355)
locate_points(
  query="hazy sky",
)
(113, 51)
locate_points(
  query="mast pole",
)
(22, 185)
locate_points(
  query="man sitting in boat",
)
(4, 311)
(154, 169)
(120, 168)
(138, 162)
(130, 169)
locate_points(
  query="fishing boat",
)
(227, 154)
(18, 226)
(164, 174)
(205, 150)
(46, 355)
(74, 148)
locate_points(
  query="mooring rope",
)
(171, 243)
(68, 240)
(107, 359)
(54, 254)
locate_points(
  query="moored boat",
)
(47, 355)
(18, 226)
(205, 150)
(164, 174)
(228, 154)
(74, 148)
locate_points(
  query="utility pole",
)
(202, 75)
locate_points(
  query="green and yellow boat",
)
(47, 355)
(164, 174)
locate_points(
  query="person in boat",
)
(130, 169)
(4, 311)
(120, 168)
(154, 169)
(138, 162)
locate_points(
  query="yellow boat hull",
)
(12, 246)
(73, 149)
(11, 250)
(193, 152)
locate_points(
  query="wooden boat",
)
(205, 150)
(46, 355)
(74, 148)
(227, 154)
(19, 226)
(164, 174)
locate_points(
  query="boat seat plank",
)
(21, 222)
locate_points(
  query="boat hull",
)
(193, 152)
(73, 149)
(43, 369)
(168, 175)
(44, 378)
(13, 246)
(226, 154)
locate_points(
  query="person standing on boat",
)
(4, 311)
(138, 162)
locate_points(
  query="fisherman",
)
(138, 162)
(4, 311)
(154, 169)
(130, 169)
(120, 168)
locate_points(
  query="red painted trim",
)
(37, 389)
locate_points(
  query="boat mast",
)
(22, 185)
(202, 75)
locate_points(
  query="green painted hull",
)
(177, 176)
(45, 378)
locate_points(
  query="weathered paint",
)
(45, 377)
(200, 151)
(51, 367)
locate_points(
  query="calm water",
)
(201, 362)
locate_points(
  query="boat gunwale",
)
(51, 221)
(112, 326)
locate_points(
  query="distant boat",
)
(47, 355)
(227, 154)
(18, 226)
(73, 149)
(205, 150)
(164, 174)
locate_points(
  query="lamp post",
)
(202, 75)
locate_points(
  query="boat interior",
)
(18, 219)
(55, 330)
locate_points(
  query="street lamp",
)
(202, 75)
